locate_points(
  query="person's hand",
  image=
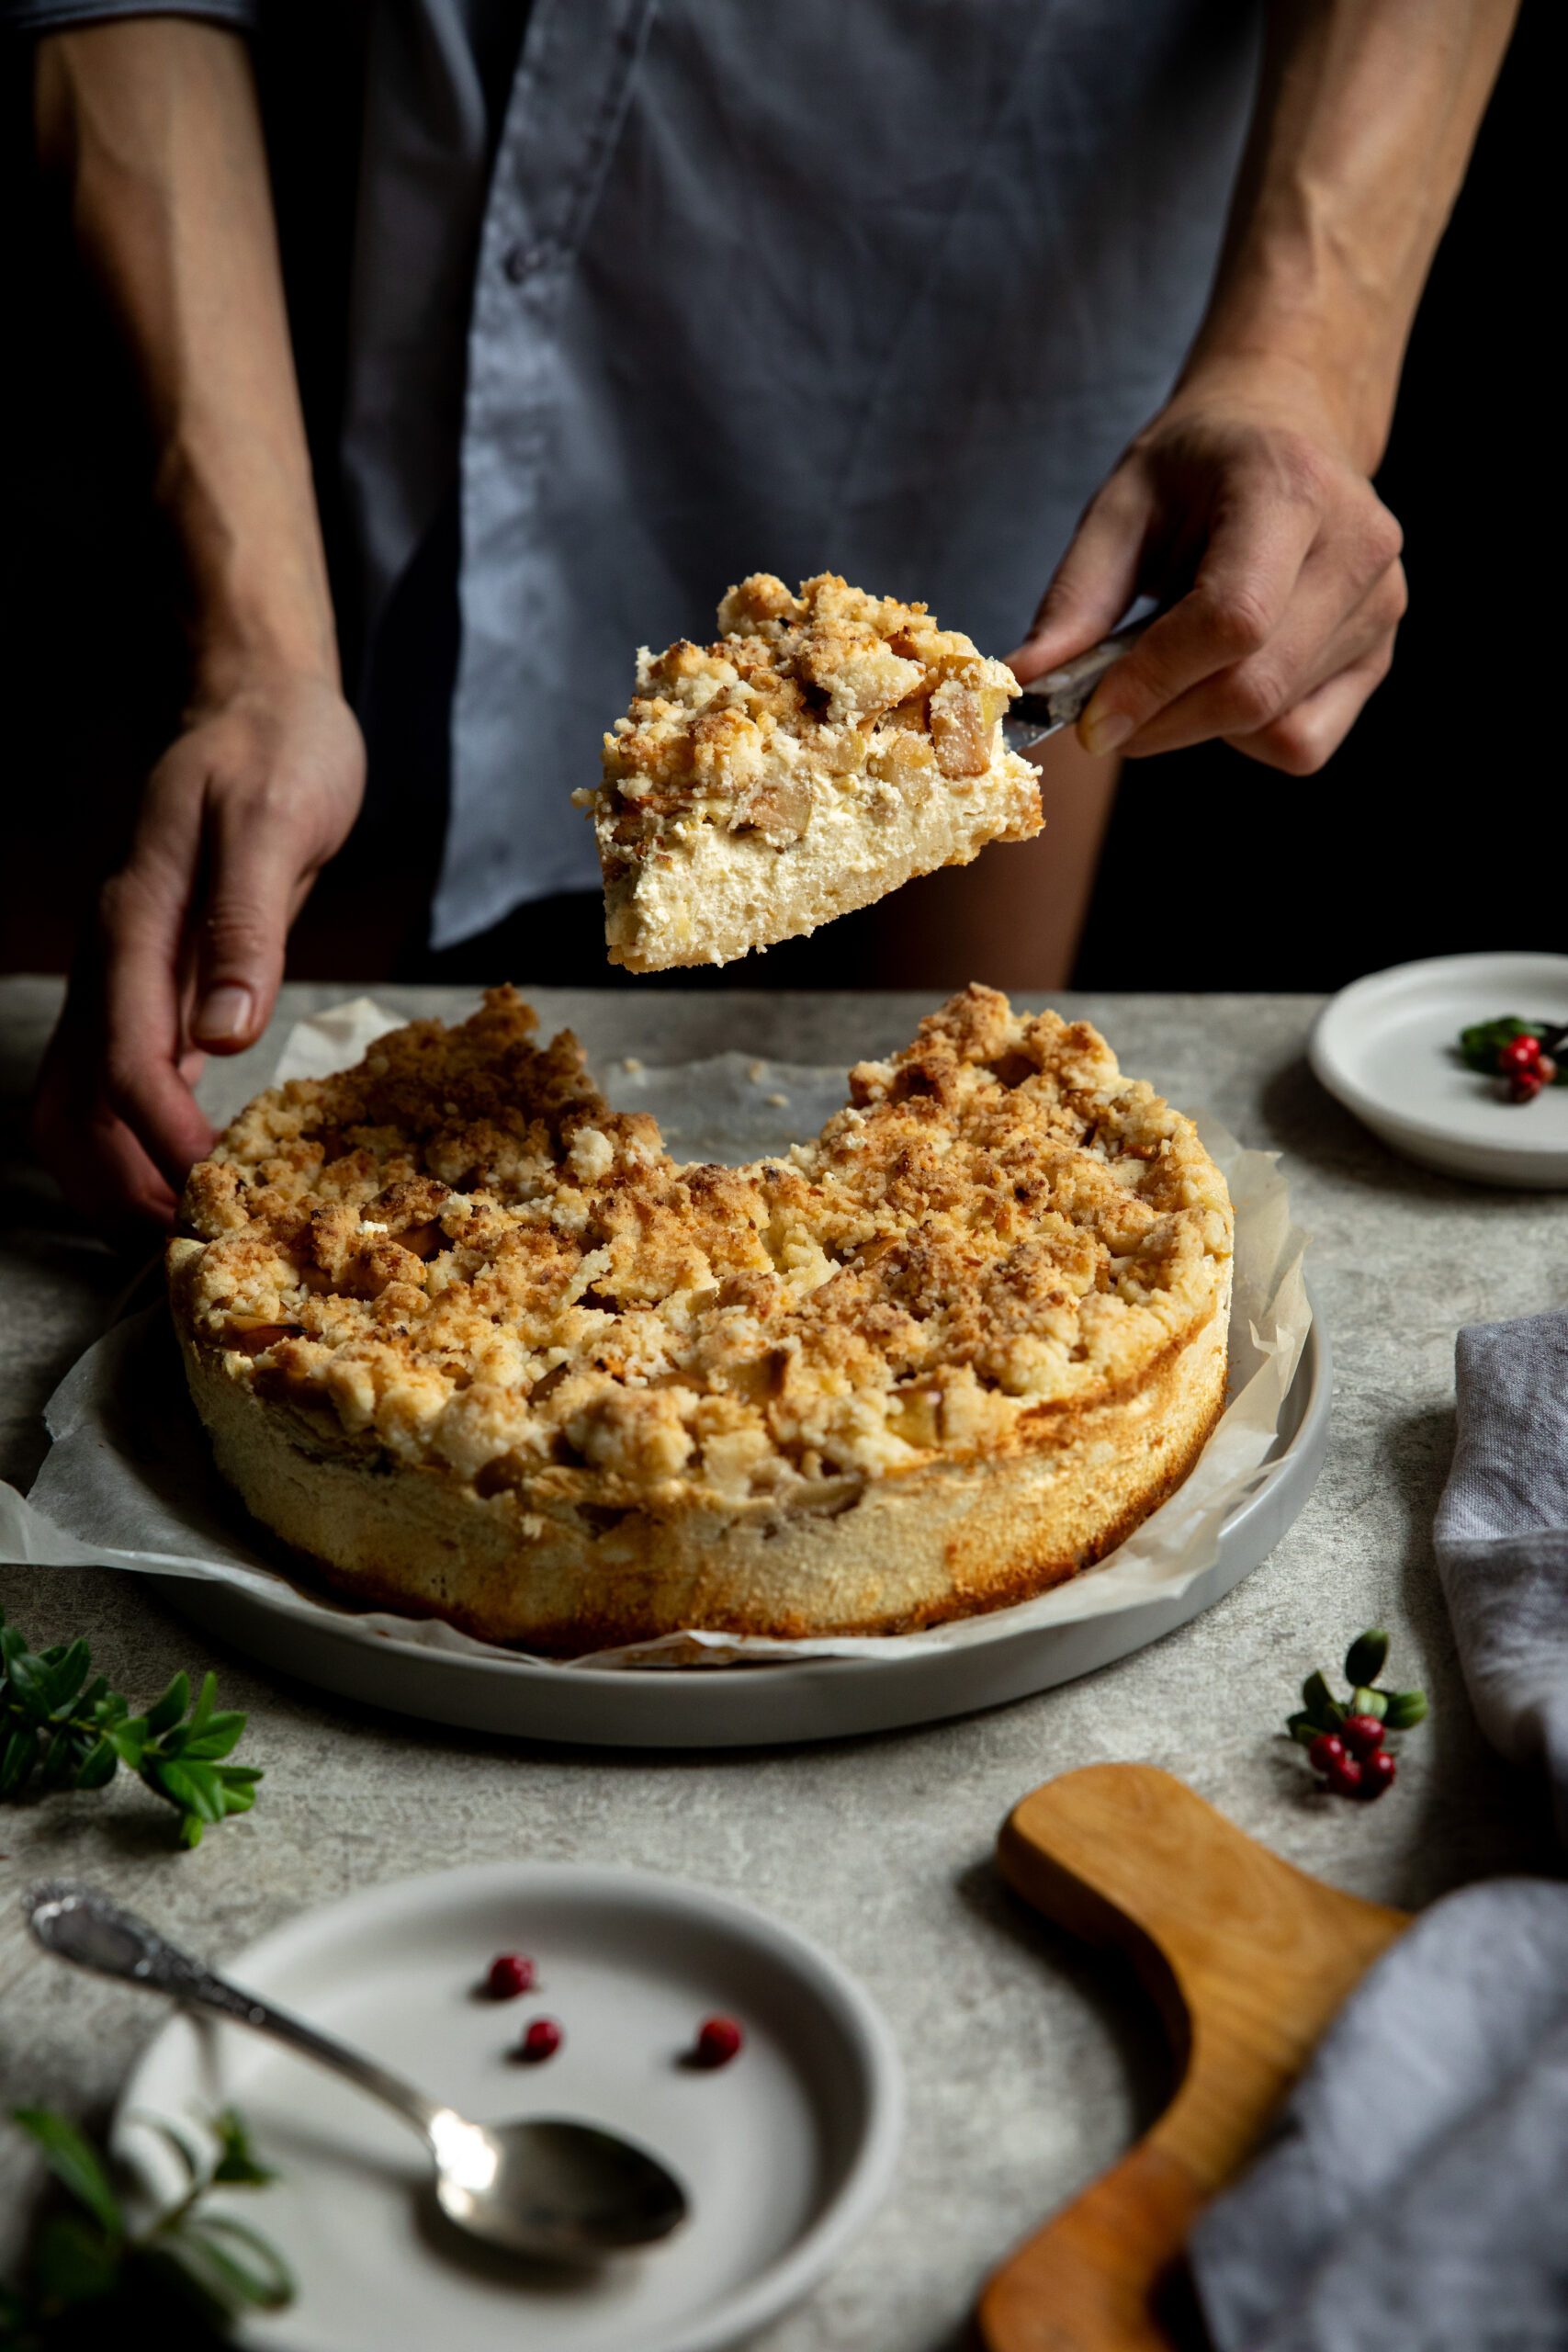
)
(238, 818)
(1241, 501)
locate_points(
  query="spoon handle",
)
(83, 1925)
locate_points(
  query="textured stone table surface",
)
(1029, 2066)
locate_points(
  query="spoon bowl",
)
(552, 2188)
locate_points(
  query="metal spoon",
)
(547, 2186)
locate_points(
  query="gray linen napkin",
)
(1414, 2196)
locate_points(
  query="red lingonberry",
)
(1524, 1086)
(510, 1975)
(1518, 1054)
(542, 2039)
(1345, 1777)
(1377, 1774)
(1363, 1735)
(1546, 1070)
(719, 2041)
(1326, 1751)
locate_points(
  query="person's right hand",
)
(239, 817)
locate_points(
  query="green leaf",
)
(1319, 1702)
(1365, 1702)
(269, 2281)
(190, 2163)
(207, 1699)
(237, 2164)
(167, 1711)
(1405, 1709)
(210, 2254)
(73, 2264)
(1366, 1657)
(1301, 1728)
(29, 1685)
(238, 1782)
(220, 1737)
(194, 1787)
(65, 1676)
(73, 2161)
(18, 1754)
(98, 1766)
(128, 1740)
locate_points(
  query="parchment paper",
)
(128, 1482)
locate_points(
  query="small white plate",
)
(1387, 1049)
(784, 2152)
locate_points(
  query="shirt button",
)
(523, 261)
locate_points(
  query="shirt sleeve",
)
(59, 15)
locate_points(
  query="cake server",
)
(1059, 697)
(547, 2187)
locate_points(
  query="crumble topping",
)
(459, 1253)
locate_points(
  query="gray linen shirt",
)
(709, 286)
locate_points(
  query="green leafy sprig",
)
(61, 1730)
(1364, 1661)
(1480, 1043)
(87, 2270)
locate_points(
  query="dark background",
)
(1437, 828)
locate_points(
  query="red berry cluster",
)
(510, 1973)
(1525, 1066)
(1354, 1762)
(1345, 1741)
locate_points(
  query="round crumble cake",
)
(475, 1345)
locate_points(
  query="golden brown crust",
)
(473, 1339)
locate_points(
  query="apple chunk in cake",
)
(825, 748)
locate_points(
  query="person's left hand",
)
(1243, 496)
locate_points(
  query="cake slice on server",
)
(825, 748)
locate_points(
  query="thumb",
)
(240, 944)
(1094, 582)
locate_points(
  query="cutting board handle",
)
(1246, 1960)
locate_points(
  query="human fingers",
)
(1306, 737)
(1258, 538)
(1096, 580)
(259, 870)
(141, 1046)
(1317, 640)
(98, 1162)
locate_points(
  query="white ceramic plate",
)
(784, 2152)
(716, 1706)
(1386, 1049)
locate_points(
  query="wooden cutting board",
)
(1247, 1960)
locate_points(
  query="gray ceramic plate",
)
(784, 2152)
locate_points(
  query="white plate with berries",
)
(741, 2053)
(1460, 1062)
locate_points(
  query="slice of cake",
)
(827, 746)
